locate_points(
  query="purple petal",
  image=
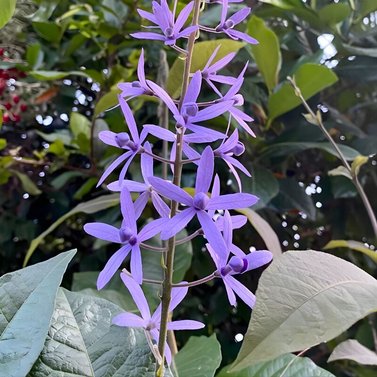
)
(238, 221)
(224, 11)
(212, 111)
(148, 35)
(129, 91)
(159, 132)
(258, 258)
(234, 172)
(132, 186)
(238, 115)
(163, 15)
(113, 166)
(190, 153)
(112, 266)
(232, 201)
(127, 112)
(148, 16)
(237, 164)
(140, 203)
(108, 137)
(228, 230)
(183, 16)
(146, 163)
(128, 320)
(127, 209)
(212, 234)
(237, 251)
(230, 293)
(177, 223)
(204, 173)
(185, 325)
(161, 93)
(240, 290)
(210, 60)
(186, 32)
(214, 193)
(170, 191)
(221, 63)
(237, 85)
(193, 89)
(223, 79)
(240, 15)
(124, 169)
(137, 295)
(243, 36)
(140, 69)
(103, 231)
(151, 229)
(207, 134)
(161, 207)
(136, 265)
(219, 261)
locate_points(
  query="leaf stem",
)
(318, 121)
(169, 259)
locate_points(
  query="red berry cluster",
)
(10, 100)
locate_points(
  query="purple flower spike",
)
(145, 189)
(201, 203)
(151, 323)
(133, 144)
(163, 18)
(209, 72)
(127, 236)
(227, 24)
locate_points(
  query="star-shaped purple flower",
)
(163, 18)
(128, 236)
(227, 24)
(237, 264)
(133, 144)
(200, 204)
(145, 189)
(151, 323)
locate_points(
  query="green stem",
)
(318, 121)
(169, 260)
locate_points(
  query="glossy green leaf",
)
(321, 297)
(106, 102)
(34, 55)
(351, 349)
(81, 332)
(310, 78)
(266, 54)
(7, 9)
(289, 148)
(202, 52)
(55, 75)
(286, 365)
(89, 207)
(49, 31)
(264, 229)
(27, 299)
(332, 14)
(200, 357)
(353, 245)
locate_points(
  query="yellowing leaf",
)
(354, 245)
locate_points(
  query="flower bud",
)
(238, 264)
(200, 200)
(122, 139)
(125, 234)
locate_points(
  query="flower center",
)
(125, 234)
(201, 200)
(122, 139)
(136, 84)
(190, 109)
(133, 240)
(229, 24)
(238, 100)
(225, 270)
(169, 33)
(237, 264)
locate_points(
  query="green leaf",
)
(202, 52)
(3, 142)
(286, 365)
(293, 197)
(7, 9)
(80, 127)
(289, 148)
(106, 102)
(200, 357)
(264, 229)
(27, 299)
(310, 78)
(332, 14)
(340, 170)
(34, 55)
(353, 245)
(321, 297)
(55, 75)
(361, 51)
(366, 7)
(49, 31)
(266, 54)
(89, 207)
(27, 184)
(81, 333)
(351, 349)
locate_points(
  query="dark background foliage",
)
(60, 63)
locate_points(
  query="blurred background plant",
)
(60, 62)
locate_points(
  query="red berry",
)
(6, 118)
(16, 98)
(1, 51)
(16, 117)
(23, 107)
(8, 105)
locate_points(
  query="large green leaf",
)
(89, 207)
(27, 299)
(351, 349)
(320, 298)
(82, 334)
(332, 14)
(7, 9)
(200, 357)
(106, 102)
(202, 52)
(266, 54)
(310, 78)
(286, 365)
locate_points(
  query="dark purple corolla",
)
(128, 236)
(151, 323)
